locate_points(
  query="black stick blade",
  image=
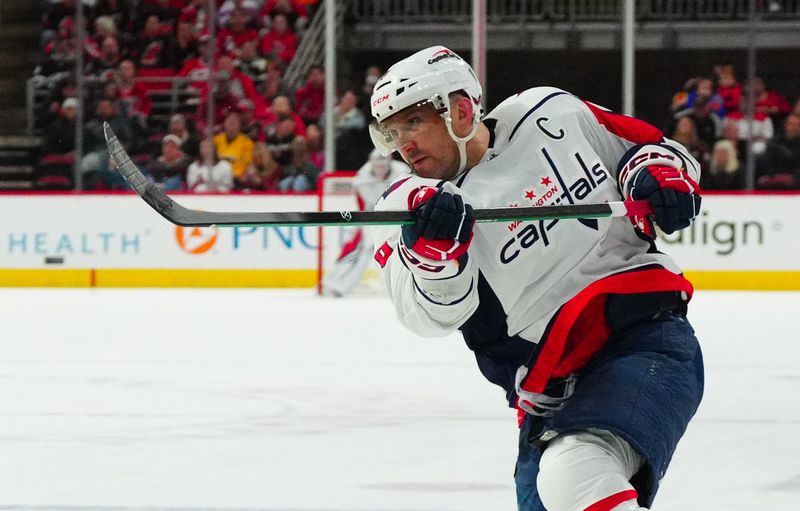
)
(157, 199)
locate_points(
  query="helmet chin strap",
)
(461, 142)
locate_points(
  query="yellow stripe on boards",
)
(45, 278)
(158, 278)
(205, 278)
(745, 280)
(212, 278)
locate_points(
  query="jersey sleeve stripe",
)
(393, 187)
(629, 128)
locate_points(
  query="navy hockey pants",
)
(644, 386)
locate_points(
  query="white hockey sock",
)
(588, 470)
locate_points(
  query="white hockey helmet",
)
(428, 76)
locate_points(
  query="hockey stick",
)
(186, 217)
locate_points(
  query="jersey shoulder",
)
(519, 109)
(516, 107)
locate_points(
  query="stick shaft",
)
(183, 216)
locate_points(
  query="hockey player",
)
(582, 322)
(371, 180)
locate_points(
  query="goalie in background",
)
(372, 179)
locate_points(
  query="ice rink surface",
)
(201, 400)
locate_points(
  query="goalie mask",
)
(426, 77)
(380, 164)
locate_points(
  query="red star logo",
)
(530, 194)
(546, 181)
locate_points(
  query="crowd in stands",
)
(260, 135)
(709, 117)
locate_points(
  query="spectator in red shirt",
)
(132, 92)
(196, 69)
(280, 41)
(61, 51)
(728, 88)
(231, 39)
(225, 102)
(281, 110)
(310, 98)
(770, 103)
(240, 85)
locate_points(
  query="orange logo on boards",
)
(194, 240)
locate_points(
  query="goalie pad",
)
(349, 267)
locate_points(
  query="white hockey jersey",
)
(369, 184)
(535, 281)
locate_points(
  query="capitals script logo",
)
(441, 55)
(194, 240)
(565, 188)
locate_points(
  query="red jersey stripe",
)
(582, 319)
(629, 128)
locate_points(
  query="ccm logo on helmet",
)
(380, 100)
(441, 55)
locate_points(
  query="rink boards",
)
(87, 240)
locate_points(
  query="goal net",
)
(336, 192)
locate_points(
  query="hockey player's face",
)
(420, 135)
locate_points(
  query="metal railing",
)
(179, 96)
(504, 11)
(312, 47)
